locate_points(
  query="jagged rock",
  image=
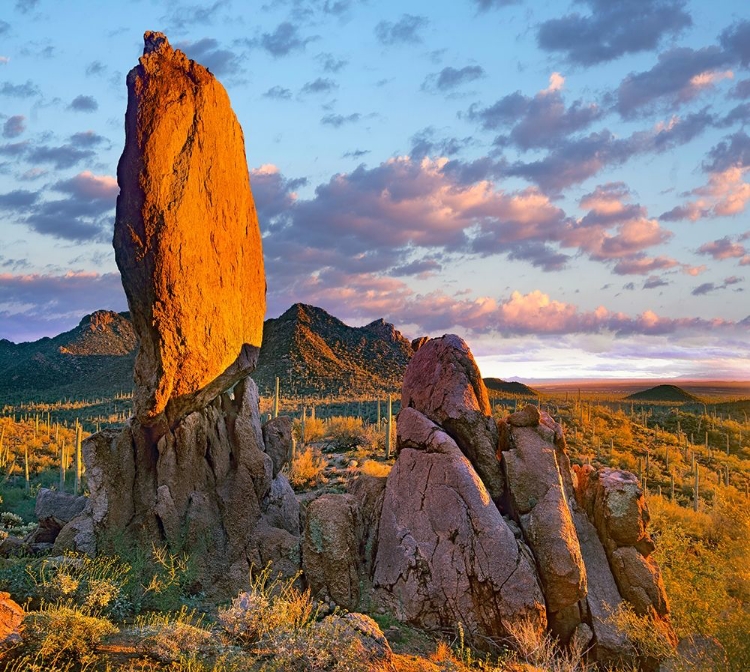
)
(369, 492)
(186, 240)
(330, 550)
(78, 535)
(11, 618)
(280, 548)
(199, 487)
(54, 510)
(443, 382)
(445, 554)
(614, 502)
(603, 598)
(280, 506)
(538, 501)
(419, 342)
(277, 438)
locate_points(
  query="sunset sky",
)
(564, 184)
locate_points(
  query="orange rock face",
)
(186, 240)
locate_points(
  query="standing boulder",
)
(443, 382)
(331, 548)
(186, 239)
(445, 554)
(278, 441)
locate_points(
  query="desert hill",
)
(311, 352)
(663, 393)
(509, 387)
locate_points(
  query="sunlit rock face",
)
(186, 240)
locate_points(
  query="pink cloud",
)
(723, 248)
(92, 187)
(726, 194)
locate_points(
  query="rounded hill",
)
(663, 393)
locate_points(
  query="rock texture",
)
(11, 619)
(445, 553)
(443, 382)
(186, 240)
(54, 510)
(331, 549)
(278, 442)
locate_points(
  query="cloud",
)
(182, 15)
(96, 68)
(84, 104)
(654, 281)
(643, 265)
(338, 120)
(14, 126)
(33, 306)
(726, 194)
(541, 121)
(426, 143)
(273, 193)
(278, 93)
(404, 31)
(736, 41)
(210, 54)
(18, 199)
(451, 78)
(87, 139)
(723, 248)
(705, 288)
(613, 29)
(330, 63)
(87, 186)
(356, 154)
(486, 5)
(25, 6)
(27, 90)
(573, 160)
(729, 153)
(680, 75)
(420, 267)
(62, 156)
(319, 85)
(4, 27)
(284, 40)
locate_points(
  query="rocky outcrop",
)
(445, 554)
(54, 510)
(11, 619)
(574, 549)
(278, 442)
(331, 549)
(186, 240)
(443, 383)
(191, 470)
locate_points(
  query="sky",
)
(563, 184)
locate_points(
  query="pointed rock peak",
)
(154, 41)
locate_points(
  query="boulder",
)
(539, 503)
(54, 509)
(442, 381)
(331, 548)
(277, 439)
(11, 619)
(186, 238)
(280, 506)
(369, 492)
(445, 554)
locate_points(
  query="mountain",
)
(94, 359)
(509, 387)
(313, 352)
(663, 393)
(310, 351)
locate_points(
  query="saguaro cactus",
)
(276, 400)
(79, 463)
(388, 426)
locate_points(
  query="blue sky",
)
(563, 184)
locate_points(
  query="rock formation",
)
(186, 240)
(191, 469)
(568, 551)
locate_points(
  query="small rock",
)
(11, 617)
(529, 416)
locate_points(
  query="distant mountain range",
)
(509, 387)
(310, 351)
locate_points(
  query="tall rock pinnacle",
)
(186, 239)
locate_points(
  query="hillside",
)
(670, 393)
(509, 387)
(313, 352)
(95, 358)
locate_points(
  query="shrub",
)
(178, 637)
(59, 634)
(307, 467)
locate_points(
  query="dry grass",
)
(373, 468)
(306, 469)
